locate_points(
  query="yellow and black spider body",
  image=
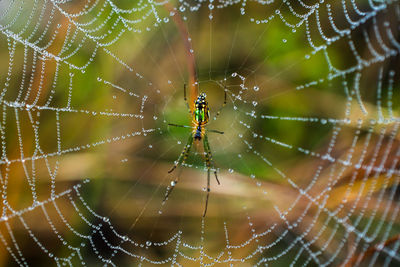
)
(201, 116)
(200, 113)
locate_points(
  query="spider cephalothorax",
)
(200, 117)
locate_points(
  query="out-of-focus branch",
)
(378, 247)
(191, 63)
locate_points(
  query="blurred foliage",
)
(129, 177)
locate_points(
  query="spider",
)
(200, 117)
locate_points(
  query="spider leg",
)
(208, 155)
(223, 105)
(171, 187)
(183, 156)
(215, 131)
(184, 97)
(178, 125)
(208, 192)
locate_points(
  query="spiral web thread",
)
(30, 41)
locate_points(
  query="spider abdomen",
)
(201, 112)
(201, 116)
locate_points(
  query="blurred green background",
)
(102, 112)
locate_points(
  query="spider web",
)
(309, 158)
